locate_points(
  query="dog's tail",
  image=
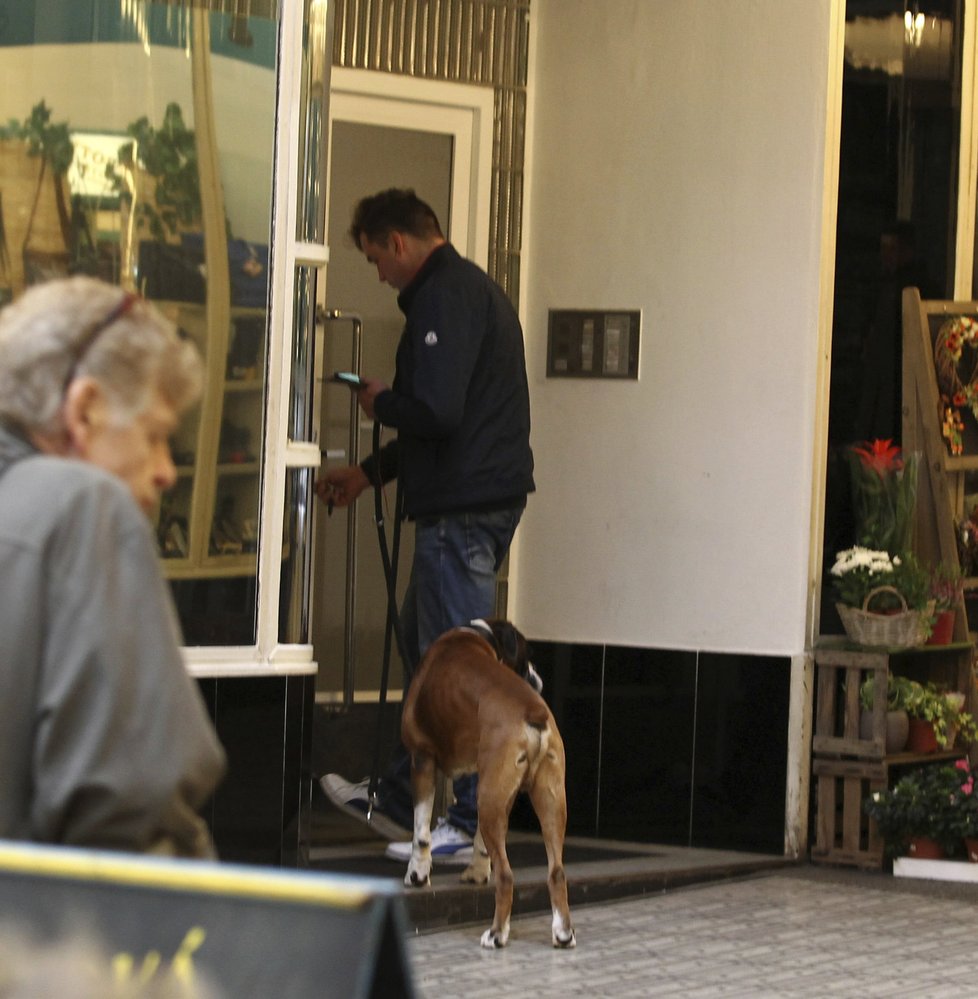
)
(537, 740)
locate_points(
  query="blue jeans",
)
(453, 580)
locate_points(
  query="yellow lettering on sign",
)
(182, 965)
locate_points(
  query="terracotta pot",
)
(943, 629)
(921, 738)
(971, 849)
(897, 729)
(924, 848)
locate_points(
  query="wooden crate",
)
(844, 834)
(839, 675)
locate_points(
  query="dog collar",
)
(482, 629)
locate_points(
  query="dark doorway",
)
(898, 183)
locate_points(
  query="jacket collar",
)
(438, 258)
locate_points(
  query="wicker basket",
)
(901, 630)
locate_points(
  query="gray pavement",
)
(795, 932)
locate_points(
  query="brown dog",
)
(468, 709)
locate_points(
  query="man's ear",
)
(83, 413)
(396, 241)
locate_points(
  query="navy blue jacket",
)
(459, 402)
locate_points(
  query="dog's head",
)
(510, 646)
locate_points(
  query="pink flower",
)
(968, 786)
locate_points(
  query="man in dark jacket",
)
(460, 405)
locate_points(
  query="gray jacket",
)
(104, 738)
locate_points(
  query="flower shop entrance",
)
(904, 120)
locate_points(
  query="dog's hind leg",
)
(549, 800)
(495, 802)
(423, 792)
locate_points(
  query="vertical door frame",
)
(964, 245)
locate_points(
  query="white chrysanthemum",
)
(862, 558)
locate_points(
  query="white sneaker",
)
(448, 846)
(353, 799)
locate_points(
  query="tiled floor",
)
(799, 932)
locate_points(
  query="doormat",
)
(521, 855)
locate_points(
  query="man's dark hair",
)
(397, 209)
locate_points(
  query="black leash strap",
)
(393, 624)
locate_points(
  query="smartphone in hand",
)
(346, 378)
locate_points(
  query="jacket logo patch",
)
(431, 338)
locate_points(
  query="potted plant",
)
(947, 589)
(884, 493)
(937, 719)
(922, 814)
(966, 800)
(898, 689)
(882, 599)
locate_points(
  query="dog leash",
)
(393, 623)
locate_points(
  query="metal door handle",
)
(350, 609)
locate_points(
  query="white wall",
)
(675, 167)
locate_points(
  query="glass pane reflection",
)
(153, 127)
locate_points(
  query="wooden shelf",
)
(847, 767)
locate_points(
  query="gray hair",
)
(134, 351)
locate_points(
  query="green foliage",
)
(884, 493)
(937, 801)
(899, 689)
(169, 156)
(52, 141)
(944, 710)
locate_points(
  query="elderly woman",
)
(104, 738)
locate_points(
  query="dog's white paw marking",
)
(495, 939)
(562, 933)
(565, 942)
(418, 874)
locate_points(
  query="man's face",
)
(394, 267)
(137, 450)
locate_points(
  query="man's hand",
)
(371, 388)
(341, 486)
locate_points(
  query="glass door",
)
(157, 174)
(386, 131)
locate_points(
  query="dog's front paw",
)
(418, 874)
(565, 941)
(493, 940)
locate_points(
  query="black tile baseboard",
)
(666, 746)
(260, 812)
